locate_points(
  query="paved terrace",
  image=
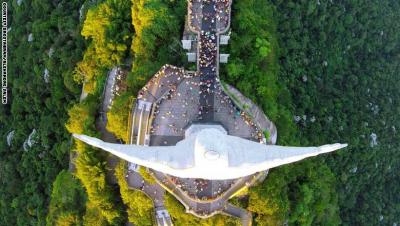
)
(181, 106)
(166, 79)
(160, 85)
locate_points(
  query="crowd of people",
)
(208, 51)
(222, 7)
(179, 108)
(217, 12)
(201, 189)
(162, 82)
(183, 106)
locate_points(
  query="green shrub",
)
(67, 201)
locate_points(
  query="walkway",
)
(101, 123)
(208, 19)
(244, 215)
(153, 191)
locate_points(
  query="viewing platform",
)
(175, 99)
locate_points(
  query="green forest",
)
(44, 36)
(323, 71)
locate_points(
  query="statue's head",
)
(210, 148)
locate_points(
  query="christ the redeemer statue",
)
(210, 154)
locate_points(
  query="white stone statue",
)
(210, 154)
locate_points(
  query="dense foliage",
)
(117, 116)
(44, 35)
(340, 61)
(253, 64)
(302, 194)
(299, 194)
(108, 27)
(158, 27)
(67, 201)
(106, 49)
(102, 206)
(81, 117)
